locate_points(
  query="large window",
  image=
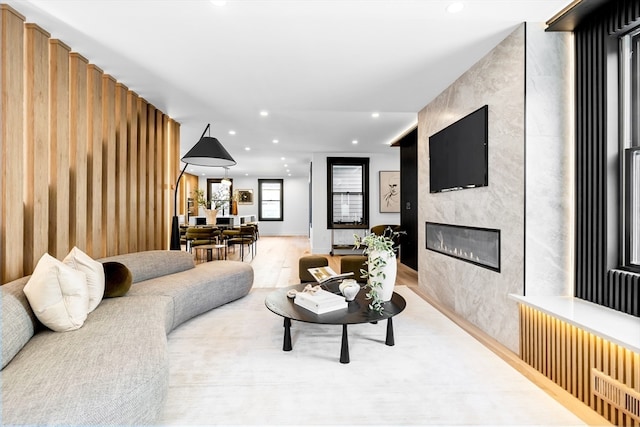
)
(270, 200)
(348, 195)
(219, 195)
(630, 147)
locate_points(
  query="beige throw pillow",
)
(58, 295)
(94, 272)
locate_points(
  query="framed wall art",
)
(390, 191)
(245, 197)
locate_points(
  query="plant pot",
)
(386, 275)
(211, 215)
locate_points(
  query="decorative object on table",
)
(325, 274)
(208, 151)
(381, 264)
(245, 197)
(389, 191)
(349, 288)
(319, 301)
(211, 214)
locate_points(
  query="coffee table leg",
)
(286, 346)
(344, 350)
(390, 340)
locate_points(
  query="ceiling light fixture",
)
(264, 113)
(208, 151)
(247, 148)
(232, 132)
(226, 181)
(218, 3)
(375, 115)
(355, 141)
(455, 7)
(275, 141)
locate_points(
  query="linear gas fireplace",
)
(479, 246)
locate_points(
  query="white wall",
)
(321, 235)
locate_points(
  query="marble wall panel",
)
(526, 81)
(477, 294)
(549, 163)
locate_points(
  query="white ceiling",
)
(319, 67)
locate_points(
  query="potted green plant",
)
(381, 265)
(201, 200)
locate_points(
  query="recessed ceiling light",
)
(246, 174)
(455, 7)
(232, 132)
(286, 165)
(247, 148)
(219, 3)
(275, 141)
(264, 113)
(355, 141)
(281, 158)
(375, 115)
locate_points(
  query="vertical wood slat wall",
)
(566, 355)
(592, 283)
(85, 161)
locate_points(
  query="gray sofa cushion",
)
(18, 320)
(95, 375)
(150, 264)
(200, 289)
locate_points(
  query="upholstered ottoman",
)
(353, 264)
(310, 261)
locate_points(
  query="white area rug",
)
(228, 368)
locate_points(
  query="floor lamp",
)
(208, 151)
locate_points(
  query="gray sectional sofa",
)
(114, 370)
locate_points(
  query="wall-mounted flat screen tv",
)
(458, 154)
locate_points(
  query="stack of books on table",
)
(325, 274)
(320, 302)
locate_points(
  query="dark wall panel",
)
(409, 199)
(591, 40)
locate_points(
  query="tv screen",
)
(458, 154)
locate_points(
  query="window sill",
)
(617, 327)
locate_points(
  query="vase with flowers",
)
(202, 201)
(381, 265)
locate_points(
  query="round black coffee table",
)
(356, 312)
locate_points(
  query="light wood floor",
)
(276, 262)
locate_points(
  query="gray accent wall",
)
(518, 80)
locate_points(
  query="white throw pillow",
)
(94, 272)
(58, 295)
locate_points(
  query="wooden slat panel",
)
(122, 151)
(59, 139)
(132, 172)
(161, 183)
(142, 176)
(175, 167)
(94, 157)
(78, 151)
(71, 157)
(578, 352)
(11, 148)
(151, 177)
(36, 182)
(109, 231)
